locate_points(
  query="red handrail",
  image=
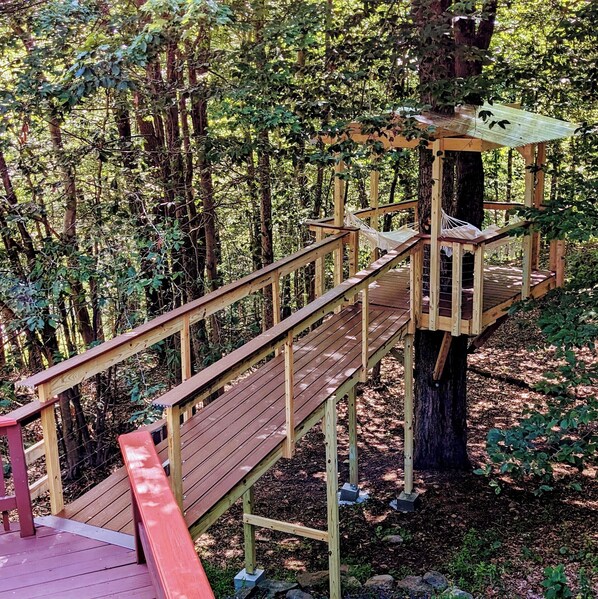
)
(162, 537)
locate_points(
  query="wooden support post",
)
(478, 290)
(339, 218)
(319, 286)
(435, 230)
(560, 262)
(528, 199)
(374, 203)
(457, 289)
(353, 257)
(276, 299)
(175, 458)
(334, 549)
(365, 329)
(445, 346)
(416, 263)
(249, 533)
(288, 448)
(408, 426)
(540, 163)
(353, 449)
(48, 422)
(186, 358)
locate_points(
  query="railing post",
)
(288, 448)
(374, 203)
(339, 219)
(48, 422)
(276, 298)
(175, 458)
(435, 230)
(365, 330)
(319, 286)
(529, 153)
(334, 549)
(21, 498)
(457, 288)
(186, 372)
(538, 199)
(353, 255)
(416, 264)
(249, 533)
(478, 290)
(353, 449)
(408, 426)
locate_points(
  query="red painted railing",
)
(161, 534)
(20, 500)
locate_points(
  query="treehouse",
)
(181, 474)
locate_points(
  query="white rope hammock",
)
(388, 240)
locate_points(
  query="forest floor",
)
(491, 545)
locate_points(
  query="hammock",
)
(388, 240)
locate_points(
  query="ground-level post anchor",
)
(249, 576)
(408, 500)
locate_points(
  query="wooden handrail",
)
(218, 374)
(161, 534)
(73, 371)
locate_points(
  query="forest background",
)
(151, 151)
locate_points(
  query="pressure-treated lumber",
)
(457, 289)
(48, 422)
(173, 424)
(529, 153)
(334, 548)
(365, 327)
(478, 290)
(353, 449)
(445, 346)
(435, 230)
(408, 409)
(339, 217)
(540, 175)
(249, 532)
(289, 383)
(319, 283)
(294, 529)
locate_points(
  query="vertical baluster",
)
(288, 449)
(457, 289)
(175, 458)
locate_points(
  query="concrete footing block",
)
(406, 502)
(349, 492)
(244, 580)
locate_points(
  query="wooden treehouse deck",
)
(62, 565)
(214, 456)
(228, 444)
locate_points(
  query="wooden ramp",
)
(230, 443)
(55, 564)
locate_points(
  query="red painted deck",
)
(61, 565)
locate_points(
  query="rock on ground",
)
(436, 580)
(415, 586)
(382, 581)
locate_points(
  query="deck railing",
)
(65, 375)
(214, 377)
(162, 539)
(20, 499)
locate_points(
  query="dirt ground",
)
(490, 545)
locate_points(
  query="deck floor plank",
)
(57, 565)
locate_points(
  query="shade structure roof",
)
(498, 124)
(472, 128)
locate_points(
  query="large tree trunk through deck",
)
(441, 406)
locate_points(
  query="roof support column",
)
(339, 217)
(435, 231)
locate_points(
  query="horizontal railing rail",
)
(161, 536)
